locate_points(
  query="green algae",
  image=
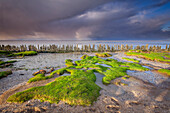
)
(159, 57)
(39, 77)
(5, 74)
(103, 54)
(4, 52)
(164, 71)
(25, 53)
(79, 88)
(59, 71)
(3, 63)
(131, 59)
(113, 73)
(84, 56)
(69, 62)
(10, 61)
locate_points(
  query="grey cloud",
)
(24, 17)
(80, 19)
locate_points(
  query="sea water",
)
(135, 43)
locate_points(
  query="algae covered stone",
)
(77, 89)
(5, 74)
(25, 53)
(103, 54)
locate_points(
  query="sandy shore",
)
(145, 92)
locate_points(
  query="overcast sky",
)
(84, 19)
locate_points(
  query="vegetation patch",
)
(103, 54)
(5, 52)
(59, 71)
(114, 73)
(134, 66)
(84, 56)
(5, 74)
(69, 62)
(159, 57)
(131, 59)
(7, 63)
(39, 77)
(25, 53)
(164, 71)
(11, 61)
(77, 89)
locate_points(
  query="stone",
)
(21, 74)
(39, 72)
(52, 69)
(16, 110)
(36, 73)
(8, 64)
(37, 109)
(42, 71)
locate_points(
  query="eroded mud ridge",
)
(99, 84)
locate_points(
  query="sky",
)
(84, 19)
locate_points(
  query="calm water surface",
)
(75, 42)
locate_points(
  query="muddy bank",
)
(143, 92)
(136, 97)
(25, 67)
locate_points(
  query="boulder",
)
(39, 72)
(51, 70)
(42, 71)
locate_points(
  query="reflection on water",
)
(109, 88)
(148, 67)
(103, 65)
(66, 74)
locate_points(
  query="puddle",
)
(148, 67)
(66, 74)
(103, 65)
(110, 89)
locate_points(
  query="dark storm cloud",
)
(83, 19)
(25, 17)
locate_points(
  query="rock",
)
(46, 67)
(120, 91)
(21, 74)
(52, 69)
(36, 73)
(16, 110)
(42, 71)
(112, 108)
(28, 104)
(39, 72)
(37, 109)
(8, 64)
